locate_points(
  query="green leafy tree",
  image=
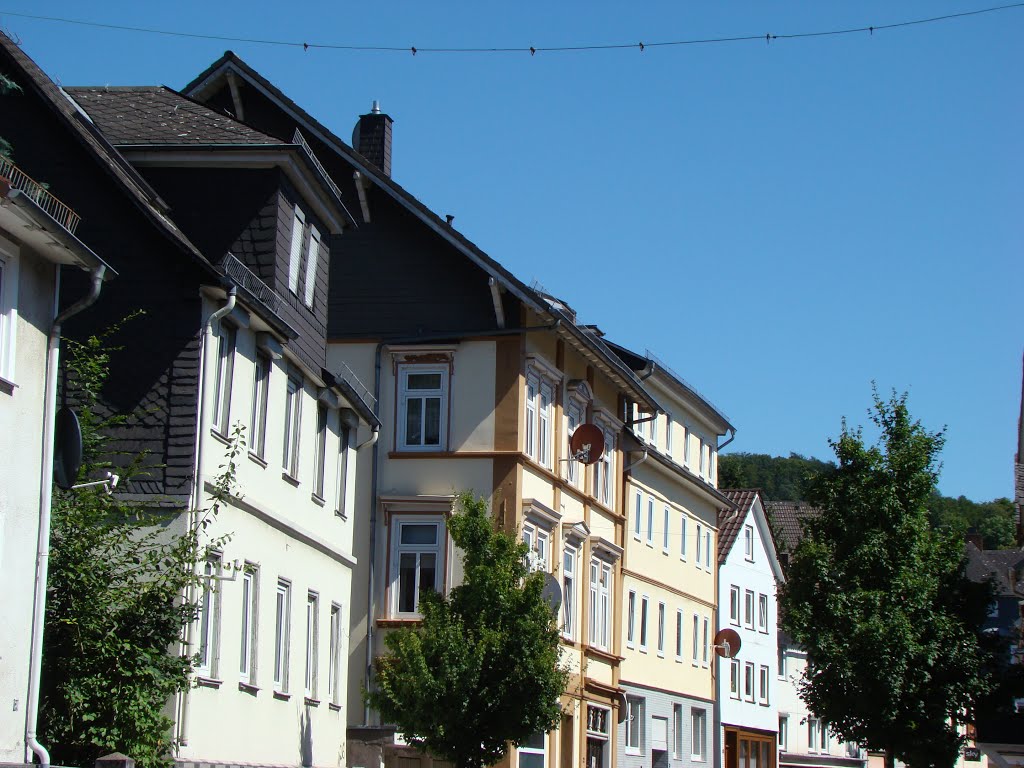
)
(880, 601)
(993, 520)
(123, 585)
(482, 669)
(782, 478)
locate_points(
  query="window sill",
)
(661, 655)
(341, 513)
(334, 707)
(642, 649)
(310, 702)
(633, 751)
(289, 479)
(410, 621)
(282, 696)
(7, 386)
(204, 681)
(317, 499)
(255, 458)
(219, 436)
(248, 688)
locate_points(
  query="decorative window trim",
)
(546, 381)
(570, 553)
(423, 364)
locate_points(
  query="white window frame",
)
(748, 608)
(438, 549)
(320, 458)
(696, 640)
(282, 634)
(570, 586)
(208, 649)
(698, 734)
(645, 611)
(684, 524)
(813, 732)
(661, 629)
(638, 525)
(334, 660)
(545, 424)
(679, 634)
(9, 261)
(312, 257)
(227, 340)
(530, 432)
(764, 684)
(538, 540)
(634, 725)
(734, 679)
(784, 733)
(526, 748)
(260, 395)
(748, 543)
(295, 254)
(575, 414)
(686, 445)
(650, 521)
(782, 663)
(668, 434)
(604, 477)
(700, 538)
(707, 550)
(294, 388)
(734, 605)
(343, 463)
(749, 681)
(312, 644)
(668, 527)
(600, 603)
(677, 731)
(762, 613)
(248, 625)
(706, 634)
(631, 619)
(405, 395)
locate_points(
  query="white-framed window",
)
(631, 619)
(248, 624)
(748, 609)
(781, 662)
(703, 448)
(661, 629)
(817, 735)
(700, 538)
(334, 660)
(312, 644)
(699, 733)
(312, 257)
(292, 422)
(668, 434)
(417, 558)
(748, 542)
(712, 465)
(764, 678)
(226, 337)
(666, 529)
(707, 551)
(734, 678)
(706, 656)
(569, 557)
(344, 445)
(540, 418)
(683, 525)
(696, 639)
(538, 542)
(532, 752)
(634, 725)
(423, 407)
(295, 254)
(600, 603)
(685, 436)
(677, 731)
(679, 634)
(574, 412)
(8, 313)
(650, 521)
(734, 605)
(644, 602)
(638, 515)
(258, 415)
(784, 733)
(604, 478)
(321, 450)
(282, 634)
(209, 618)
(530, 434)
(762, 613)
(748, 680)
(544, 419)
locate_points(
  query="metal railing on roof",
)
(60, 212)
(299, 139)
(248, 280)
(665, 367)
(347, 375)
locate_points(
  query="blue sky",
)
(783, 223)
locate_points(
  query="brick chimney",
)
(372, 138)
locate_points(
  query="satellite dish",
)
(552, 592)
(727, 643)
(623, 707)
(67, 448)
(587, 444)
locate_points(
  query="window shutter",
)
(311, 261)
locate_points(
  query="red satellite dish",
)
(727, 643)
(587, 444)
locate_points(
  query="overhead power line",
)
(532, 50)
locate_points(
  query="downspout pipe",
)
(45, 508)
(374, 472)
(203, 420)
(632, 464)
(732, 436)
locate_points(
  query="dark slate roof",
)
(1006, 565)
(156, 115)
(729, 523)
(109, 159)
(787, 515)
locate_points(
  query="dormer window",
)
(303, 258)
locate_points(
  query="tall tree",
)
(880, 600)
(782, 478)
(482, 669)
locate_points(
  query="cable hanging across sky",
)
(532, 50)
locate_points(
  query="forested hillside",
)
(788, 478)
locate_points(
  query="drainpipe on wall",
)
(203, 421)
(45, 508)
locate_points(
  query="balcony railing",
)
(60, 212)
(249, 281)
(347, 375)
(299, 139)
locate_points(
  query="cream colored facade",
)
(273, 631)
